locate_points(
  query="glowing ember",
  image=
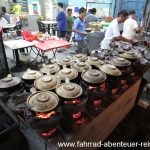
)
(92, 87)
(103, 86)
(123, 81)
(80, 121)
(97, 103)
(49, 133)
(76, 116)
(45, 115)
(114, 91)
(72, 102)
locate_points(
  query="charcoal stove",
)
(29, 77)
(45, 124)
(11, 85)
(94, 81)
(43, 113)
(125, 67)
(73, 102)
(113, 81)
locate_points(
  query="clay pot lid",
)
(80, 57)
(65, 61)
(81, 66)
(9, 81)
(93, 76)
(120, 62)
(129, 55)
(67, 73)
(69, 90)
(42, 101)
(94, 61)
(51, 68)
(110, 70)
(46, 82)
(31, 74)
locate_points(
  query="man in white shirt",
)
(2, 22)
(130, 27)
(113, 30)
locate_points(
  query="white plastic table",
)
(49, 23)
(16, 45)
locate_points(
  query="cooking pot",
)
(130, 55)
(110, 70)
(113, 81)
(81, 66)
(30, 75)
(69, 90)
(93, 77)
(42, 101)
(10, 84)
(43, 104)
(120, 62)
(80, 57)
(67, 73)
(51, 68)
(46, 82)
(72, 98)
(95, 62)
(66, 61)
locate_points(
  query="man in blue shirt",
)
(62, 21)
(80, 34)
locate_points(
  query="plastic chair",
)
(28, 36)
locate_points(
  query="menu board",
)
(3, 61)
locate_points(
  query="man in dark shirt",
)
(62, 21)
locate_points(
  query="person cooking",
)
(113, 30)
(130, 27)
